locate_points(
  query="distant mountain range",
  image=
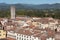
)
(4, 6)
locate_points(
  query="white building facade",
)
(17, 36)
(21, 36)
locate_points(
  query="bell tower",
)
(12, 12)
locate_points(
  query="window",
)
(0, 31)
(17, 37)
(22, 38)
(3, 34)
(0, 34)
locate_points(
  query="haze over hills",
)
(4, 6)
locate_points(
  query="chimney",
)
(12, 12)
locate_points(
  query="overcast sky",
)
(30, 1)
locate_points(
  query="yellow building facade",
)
(2, 34)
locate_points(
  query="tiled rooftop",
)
(36, 31)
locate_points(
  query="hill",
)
(4, 6)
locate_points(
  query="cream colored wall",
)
(44, 26)
(35, 23)
(2, 34)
